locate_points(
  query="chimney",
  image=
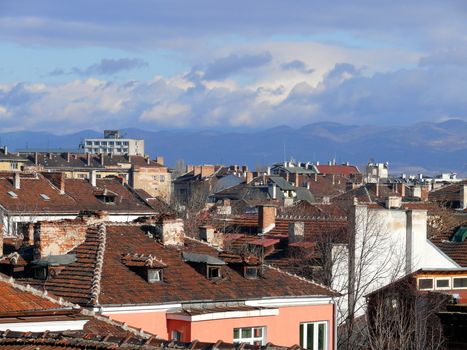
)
(160, 160)
(36, 158)
(57, 179)
(316, 177)
(244, 168)
(249, 177)
(5, 150)
(68, 157)
(1, 239)
(17, 181)
(273, 191)
(148, 160)
(93, 178)
(463, 195)
(172, 232)
(88, 159)
(208, 234)
(416, 236)
(266, 218)
(296, 231)
(393, 202)
(50, 155)
(102, 159)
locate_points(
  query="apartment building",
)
(113, 143)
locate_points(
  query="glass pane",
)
(246, 332)
(321, 336)
(442, 283)
(236, 333)
(301, 336)
(309, 335)
(258, 332)
(460, 282)
(425, 283)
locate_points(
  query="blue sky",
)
(210, 64)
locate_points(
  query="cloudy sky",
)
(72, 65)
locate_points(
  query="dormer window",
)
(147, 266)
(154, 275)
(40, 273)
(251, 272)
(214, 272)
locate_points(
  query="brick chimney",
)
(160, 160)
(17, 181)
(296, 231)
(58, 237)
(266, 218)
(210, 235)
(172, 232)
(57, 179)
(249, 177)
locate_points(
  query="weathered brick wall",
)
(266, 218)
(58, 237)
(173, 232)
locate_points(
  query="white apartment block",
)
(113, 144)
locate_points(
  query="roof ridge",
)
(96, 280)
(310, 281)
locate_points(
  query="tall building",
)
(113, 143)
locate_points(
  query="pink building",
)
(153, 277)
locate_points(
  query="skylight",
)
(12, 194)
(45, 197)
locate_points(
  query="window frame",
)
(303, 337)
(252, 339)
(426, 278)
(453, 282)
(440, 279)
(214, 267)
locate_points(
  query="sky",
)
(172, 64)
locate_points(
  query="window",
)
(443, 283)
(88, 143)
(40, 273)
(459, 282)
(425, 283)
(177, 335)
(14, 165)
(214, 272)
(313, 335)
(12, 194)
(250, 335)
(162, 178)
(251, 272)
(154, 275)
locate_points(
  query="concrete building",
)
(113, 143)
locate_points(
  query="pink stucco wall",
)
(152, 322)
(282, 329)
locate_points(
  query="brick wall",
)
(266, 218)
(58, 237)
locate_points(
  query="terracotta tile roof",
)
(338, 169)
(71, 340)
(457, 251)
(182, 283)
(79, 195)
(323, 186)
(14, 299)
(450, 193)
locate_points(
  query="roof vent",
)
(12, 194)
(45, 197)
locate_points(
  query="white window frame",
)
(250, 340)
(425, 278)
(440, 279)
(454, 287)
(315, 324)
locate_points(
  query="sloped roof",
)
(118, 284)
(338, 169)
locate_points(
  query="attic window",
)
(106, 198)
(12, 194)
(251, 272)
(154, 275)
(214, 272)
(45, 197)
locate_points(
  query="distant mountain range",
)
(421, 147)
